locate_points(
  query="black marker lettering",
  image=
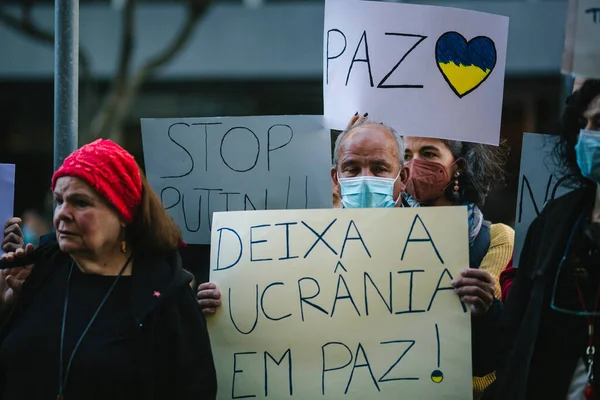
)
(182, 148)
(185, 219)
(347, 296)
(255, 318)
(324, 369)
(358, 237)
(206, 124)
(410, 292)
(305, 299)
(278, 363)
(287, 240)
(319, 237)
(365, 364)
(365, 60)
(438, 289)
(387, 305)
(411, 344)
(253, 242)
(235, 372)
(328, 57)
(595, 11)
(162, 200)
(239, 239)
(269, 149)
(241, 128)
(208, 208)
(429, 239)
(227, 198)
(385, 78)
(262, 302)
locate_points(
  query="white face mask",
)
(368, 192)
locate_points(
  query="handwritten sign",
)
(539, 182)
(7, 193)
(202, 165)
(581, 56)
(341, 304)
(429, 71)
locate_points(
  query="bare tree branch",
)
(103, 122)
(176, 45)
(111, 118)
(127, 44)
(26, 26)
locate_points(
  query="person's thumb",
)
(14, 283)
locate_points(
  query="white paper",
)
(201, 165)
(7, 193)
(582, 40)
(539, 181)
(401, 41)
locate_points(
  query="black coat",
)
(172, 349)
(538, 350)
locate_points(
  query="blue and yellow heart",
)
(465, 65)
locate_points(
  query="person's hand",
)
(209, 298)
(476, 288)
(13, 236)
(577, 83)
(11, 279)
(356, 119)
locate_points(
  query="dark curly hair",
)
(570, 125)
(483, 168)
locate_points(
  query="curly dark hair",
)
(483, 168)
(571, 123)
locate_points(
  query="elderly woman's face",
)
(84, 222)
(592, 115)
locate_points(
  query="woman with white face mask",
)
(551, 339)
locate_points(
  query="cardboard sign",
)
(7, 193)
(201, 165)
(353, 303)
(428, 71)
(581, 56)
(538, 183)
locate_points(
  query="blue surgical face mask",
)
(368, 192)
(587, 150)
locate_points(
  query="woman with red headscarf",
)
(107, 311)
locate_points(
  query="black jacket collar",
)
(154, 277)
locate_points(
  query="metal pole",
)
(66, 78)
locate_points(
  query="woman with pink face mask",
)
(452, 173)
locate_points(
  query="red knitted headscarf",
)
(110, 170)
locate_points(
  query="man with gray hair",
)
(368, 166)
(368, 172)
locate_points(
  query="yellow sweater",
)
(502, 240)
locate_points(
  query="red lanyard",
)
(590, 352)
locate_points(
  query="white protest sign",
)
(428, 71)
(7, 193)
(330, 304)
(581, 56)
(201, 165)
(539, 182)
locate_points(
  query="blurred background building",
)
(195, 58)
